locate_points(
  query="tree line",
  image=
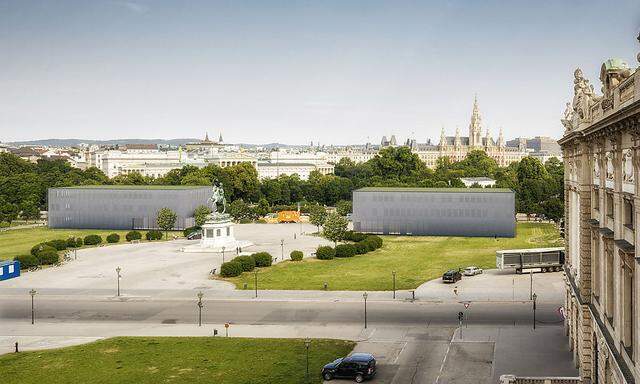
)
(539, 187)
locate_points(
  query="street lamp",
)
(534, 310)
(32, 292)
(118, 270)
(223, 254)
(307, 343)
(255, 282)
(394, 283)
(281, 249)
(200, 294)
(364, 296)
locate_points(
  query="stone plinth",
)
(217, 233)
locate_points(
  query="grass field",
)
(416, 259)
(175, 360)
(19, 241)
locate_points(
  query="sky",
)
(331, 72)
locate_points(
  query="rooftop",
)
(135, 187)
(441, 190)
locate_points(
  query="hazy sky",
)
(328, 71)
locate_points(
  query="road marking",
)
(444, 359)
(399, 353)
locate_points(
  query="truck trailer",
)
(547, 259)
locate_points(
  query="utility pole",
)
(118, 270)
(364, 296)
(200, 305)
(534, 310)
(394, 284)
(33, 314)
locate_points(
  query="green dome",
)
(615, 64)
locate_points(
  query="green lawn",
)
(19, 241)
(175, 360)
(416, 259)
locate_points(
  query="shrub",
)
(72, 242)
(48, 257)
(361, 248)
(154, 234)
(231, 269)
(113, 238)
(41, 247)
(377, 240)
(263, 259)
(26, 261)
(79, 242)
(133, 235)
(188, 231)
(245, 221)
(4, 224)
(345, 250)
(354, 236)
(92, 240)
(296, 255)
(58, 244)
(248, 263)
(370, 244)
(325, 253)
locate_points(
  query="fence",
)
(512, 379)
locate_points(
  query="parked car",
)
(358, 366)
(451, 276)
(195, 235)
(472, 271)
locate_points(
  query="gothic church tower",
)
(475, 127)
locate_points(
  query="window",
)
(628, 214)
(596, 199)
(609, 204)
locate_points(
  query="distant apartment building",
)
(269, 170)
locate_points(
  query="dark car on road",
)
(194, 235)
(358, 366)
(451, 276)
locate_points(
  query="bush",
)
(92, 240)
(26, 261)
(231, 269)
(48, 257)
(58, 244)
(72, 242)
(154, 234)
(370, 244)
(325, 253)
(245, 221)
(296, 255)
(361, 248)
(113, 238)
(248, 263)
(188, 231)
(4, 224)
(377, 240)
(41, 247)
(345, 250)
(354, 236)
(263, 259)
(133, 235)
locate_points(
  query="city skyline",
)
(262, 73)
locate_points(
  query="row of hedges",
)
(367, 243)
(241, 264)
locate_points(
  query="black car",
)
(358, 366)
(451, 276)
(195, 235)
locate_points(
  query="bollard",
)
(325, 285)
(413, 295)
(215, 332)
(17, 347)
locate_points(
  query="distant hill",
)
(77, 142)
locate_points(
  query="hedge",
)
(345, 250)
(296, 255)
(47, 257)
(27, 261)
(361, 248)
(354, 236)
(188, 231)
(263, 259)
(231, 269)
(325, 253)
(113, 238)
(154, 234)
(92, 240)
(58, 244)
(41, 247)
(133, 235)
(74, 242)
(248, 263)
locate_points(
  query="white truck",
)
(547, 259)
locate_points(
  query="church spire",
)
(443, 139)
(206, 136)
(500, 138)
(475, 127)
(220, 138)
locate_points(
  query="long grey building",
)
(122, 206)
(435, 211)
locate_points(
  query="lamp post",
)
(118, 270)
(281, 249)
(534, 310)
(32, 292)
(223, 254)
(531, 284)
(255, 282)
(364, 296)
(307, 343)
(200, 294)
(394, 284)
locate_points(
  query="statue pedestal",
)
(217, 233)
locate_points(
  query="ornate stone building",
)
(601, 149)
(456, 147)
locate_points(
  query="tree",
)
(335, 227)
(317, 215)
(29, 210)
(344, 207)
(240, 210)
(200, 214)
(166, 220)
